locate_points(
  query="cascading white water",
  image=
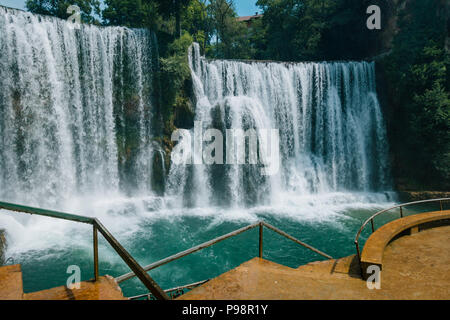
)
(332, 134)
(75, 109)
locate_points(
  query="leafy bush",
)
(417, 74)
(175, 79)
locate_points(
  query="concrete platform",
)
(11, 288)
(374, 247)
(105, 288)
(414, 267)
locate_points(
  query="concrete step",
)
(11, 286)
(416, 268)
(106, 288)
(343, 267)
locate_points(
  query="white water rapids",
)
(332, 133)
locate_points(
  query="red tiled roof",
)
(248, 18)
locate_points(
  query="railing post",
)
(401, 212)
(145, 278)
(95, 253)
(440, 203)
(260, 240)
(373, 228)
(359, 258)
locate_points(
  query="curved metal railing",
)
(370, 219)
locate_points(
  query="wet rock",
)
(409, 196)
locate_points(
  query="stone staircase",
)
(11, 288)
(416, 267)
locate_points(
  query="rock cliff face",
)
(383, 40)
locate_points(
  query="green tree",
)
(130, 13)
(195, 21)
(318, 29)
(257, 37)
(231, 37)
(293, 29)
(417, 77)
(222, 13)
(173, 8)
(175, 78)
(58, 8)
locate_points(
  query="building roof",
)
(248, 18)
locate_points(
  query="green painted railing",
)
(145, 278)
(136, 269)
(260, 225)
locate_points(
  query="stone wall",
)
(408, 196)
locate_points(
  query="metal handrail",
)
(186, 252)
(137, 270)
(209, 243)
(145, 278)
(385, 210)
(169, 291)
(284, 234)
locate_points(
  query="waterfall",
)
(331, 129)
(77, 134)
(75, 109)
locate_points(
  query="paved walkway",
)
(414, 267)
(105, 288)
(11, 288)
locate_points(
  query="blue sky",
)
(243, 7)
(19, 4)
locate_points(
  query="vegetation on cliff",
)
(177, 109)
(416, 75)
(89, 9)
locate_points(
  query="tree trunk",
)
(178, 19)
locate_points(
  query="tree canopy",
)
(418, 81)
(58, 8)
(130, 13)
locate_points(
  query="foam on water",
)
(332, 132)
(64, 109)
